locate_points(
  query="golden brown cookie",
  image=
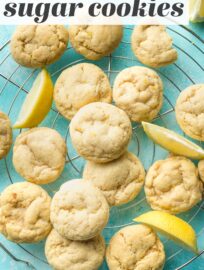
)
(190, 111)
(172, 185)
(36, 46)
(64, 254)
(25, 213)
(201, 170)
(120, 180)
(135, 247)
(79, 211)
(5, 135)
(100, 132)
(39, 155)
(152, 45)
(139, 92)
(95, 41)
(80, 85)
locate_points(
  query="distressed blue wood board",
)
(15, 82)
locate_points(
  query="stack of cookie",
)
(79, 212)
(101, 132)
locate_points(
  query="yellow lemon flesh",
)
(173, 142)
(37, 103)
(171, 226)
(196, 10)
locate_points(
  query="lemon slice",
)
(196, 10)
(171, 226)
(173, 142)
(37, 103)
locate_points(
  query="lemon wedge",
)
(37, 103)
(173, 142)
(196, 10)
(171, 226)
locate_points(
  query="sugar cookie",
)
(80, 85)
(36, 46)
(79, 211)
(152, 45)
(190, 111)
(39, 155)
(95, 41)
(25, 213)
(119, 180)
(64, 254)
(100, 132)
(5, 135)
(172, 185)
(135, 247)
(139, 92)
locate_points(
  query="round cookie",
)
(152, 45)
(119, 180)
(39, 155)
(190, 111)
(139, 92)
(36, 46)
(80, 85)
(25, 213)
(79, 211)
(135, 247)
(95, 41)
(172, 185)
(5, 135)
(100, 132)
(201, 169)
(64, 254)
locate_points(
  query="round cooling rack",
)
(15, 82)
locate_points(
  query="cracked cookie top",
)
(5, 135)
(201, 169)
(38, 45)
(120, 180)
(80, 85)
(64, 254)
(39, 155)
(190, 111)
(100, 132)
(152, 45)
(79, 211)
(25, 213)
(139, 92)
(95, 41)
(135, 248)
(172, 185)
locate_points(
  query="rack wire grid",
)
(15, 82)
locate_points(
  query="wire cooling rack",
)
(15, 82)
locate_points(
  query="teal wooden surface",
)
(189, 69)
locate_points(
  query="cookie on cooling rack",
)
(172, 185)
(25, 213)
(36, 46)
(135, 247)
(5, 135)
(79, 211)
(152, 45)
(95, 41)
(39, 155)
(139, 92)
(190, 111)
(63, 254)
(120, 180)
(201, 169)
(80, 85)
(100, 132)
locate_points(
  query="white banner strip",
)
(94, 12)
